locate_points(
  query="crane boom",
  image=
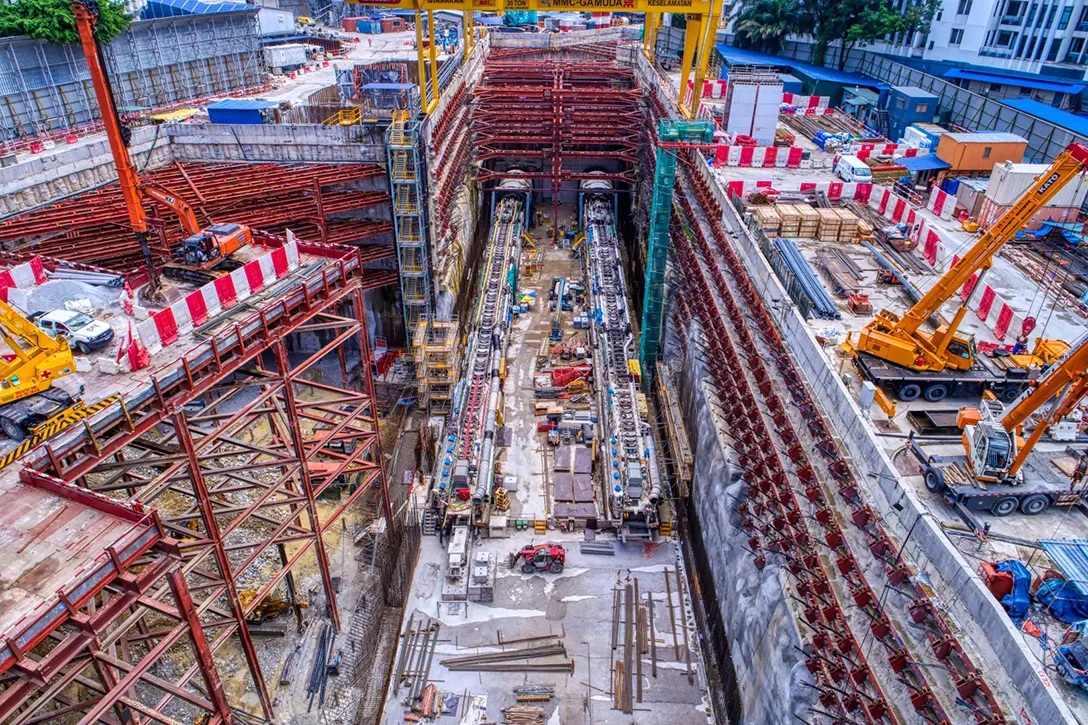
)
(1066, 381)
(181, 207)
(901, 341)
(86, 17)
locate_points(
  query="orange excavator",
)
(204, 249)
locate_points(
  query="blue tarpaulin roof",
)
(1074, 123)
(1071, 558)
(171, 8)
(925, 162)
(1054, 84)
(242, 104)
(740, 56)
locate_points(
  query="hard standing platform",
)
(46, 543)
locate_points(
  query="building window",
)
(1024, 92)
(1020, 48)
(995, 87)
(922, 108)
(1050, 16)
(986, 152)
(1063, 22)
(1031, 15)
(1055, 46)
(931, 45)
(1076, 46)
(1039, 50)
(1005, 38)
(964, 8)
(940, 14)
(956, 36)
(1031, 47)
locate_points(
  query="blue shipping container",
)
(791, 84)
(908, 105)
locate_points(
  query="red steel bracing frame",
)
(107, 630)
(782, 473)
(233, 444)
(604, 51)
(92, 227)
(450, 146)
(552, 113)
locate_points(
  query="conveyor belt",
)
(474, 417)
(634, 484)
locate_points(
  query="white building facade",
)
(1017, 35)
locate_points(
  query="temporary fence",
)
(166, 326)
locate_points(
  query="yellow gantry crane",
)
(698, 40)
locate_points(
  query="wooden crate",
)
(769, 219)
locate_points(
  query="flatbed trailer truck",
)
(950, 478)
(906, 384)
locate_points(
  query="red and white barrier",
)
(833, 189)
(799, 101)
(865, 150)
(164, 327)
(896, 210)
(818, 111)
(757, 156)
(22, 277)
(941, 203)
(711, 89)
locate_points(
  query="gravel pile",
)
(53, 294)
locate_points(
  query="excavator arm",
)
(901, 341)
(1066, 381)
(180, 206)
(86, 17)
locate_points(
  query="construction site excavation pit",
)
(520, 386)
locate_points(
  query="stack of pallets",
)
(769, 219)
(830, 225)
(791, 220)
(810, 221)
(848, 228)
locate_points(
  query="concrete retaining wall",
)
(763, 638)
(1013, 671)
(283, 143)
(46, 177)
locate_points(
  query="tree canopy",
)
(765, 24)
(53, 20)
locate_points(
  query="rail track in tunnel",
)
(853, 584)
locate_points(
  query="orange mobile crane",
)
(896, 353)
(204, 249)
(998, 455)
(991, 434)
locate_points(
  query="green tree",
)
(764, 24)
(855, 23)
(53, 20)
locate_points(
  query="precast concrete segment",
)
(475, 414)
(957, 676)
(626, 434)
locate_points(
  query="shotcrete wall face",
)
(763, 640)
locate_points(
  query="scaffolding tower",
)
(437, 361)
(672, 133)
(407, 181)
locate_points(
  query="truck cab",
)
(208, 247)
